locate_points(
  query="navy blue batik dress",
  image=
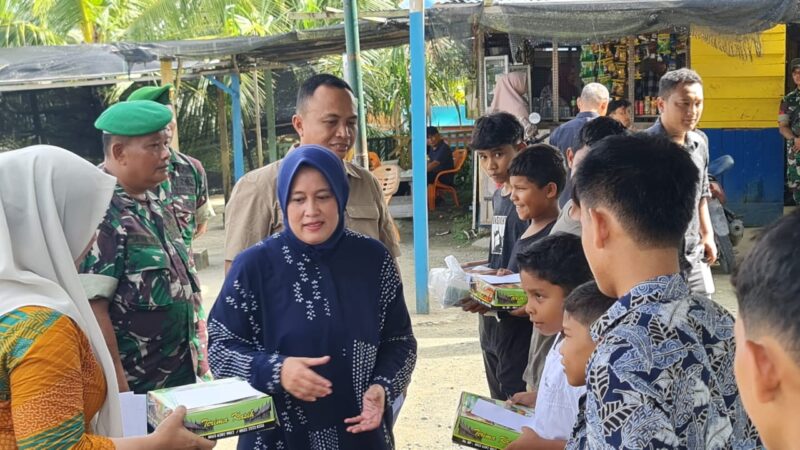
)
(281, 300)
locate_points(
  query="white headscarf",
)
(51, 202)
(508, 95)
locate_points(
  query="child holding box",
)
(505, 337)
(582, 308)
(537, 176)
(550, 269)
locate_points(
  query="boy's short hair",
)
(674, 78)
(616, 104)
(648, 182)
(540, 164)
(557, 259)
(496, 129)
(597, 129)
(767, 284)
(431, 131)
(586, 303)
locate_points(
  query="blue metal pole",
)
(419, 158)
(236, 128)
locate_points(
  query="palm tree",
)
(386, 80)
(20, 26)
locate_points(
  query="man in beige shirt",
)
(326, 116)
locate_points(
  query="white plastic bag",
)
(448, 285)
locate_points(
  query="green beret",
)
(795, 63)
(136, 118)
(158, 94)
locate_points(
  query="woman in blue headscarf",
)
(315, 317)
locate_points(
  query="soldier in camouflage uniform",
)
(185, 194)
(137, 273)
(789, 126)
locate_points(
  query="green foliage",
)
(385, 71)
(20, 26)
(57, 22)
(387, 81)
(460, 226)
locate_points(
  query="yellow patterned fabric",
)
(50, 383)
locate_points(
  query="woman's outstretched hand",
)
(301, 381)
(372, 412)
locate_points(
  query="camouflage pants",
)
(793, 171)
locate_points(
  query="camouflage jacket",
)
(789, 112)
(185, 192)
(140, 264)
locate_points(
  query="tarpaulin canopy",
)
(44, 66)
(588, 20)
(533, 20)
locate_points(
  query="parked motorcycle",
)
(728, 227)
(532, 130)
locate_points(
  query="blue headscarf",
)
(332, 168)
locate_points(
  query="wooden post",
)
(224, 144)
(168, 76)
(257, 100)
(632, 76)
(556, 102)
(272, 139)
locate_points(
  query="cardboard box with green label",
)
(496, 295)
(488, 424)
(216, 409)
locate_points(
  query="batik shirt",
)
(282, 299)
(51, 385)
(578, 438)
(662, 374)
(140, 264)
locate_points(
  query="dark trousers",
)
(505, 344)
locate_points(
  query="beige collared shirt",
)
(253, 212)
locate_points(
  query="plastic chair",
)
(388, 176)
(459, 156)
(374, 160)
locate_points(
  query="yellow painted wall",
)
(740, 93)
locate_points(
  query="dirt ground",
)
(449, 359)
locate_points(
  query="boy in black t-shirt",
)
(505, 337)
(537, 175)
